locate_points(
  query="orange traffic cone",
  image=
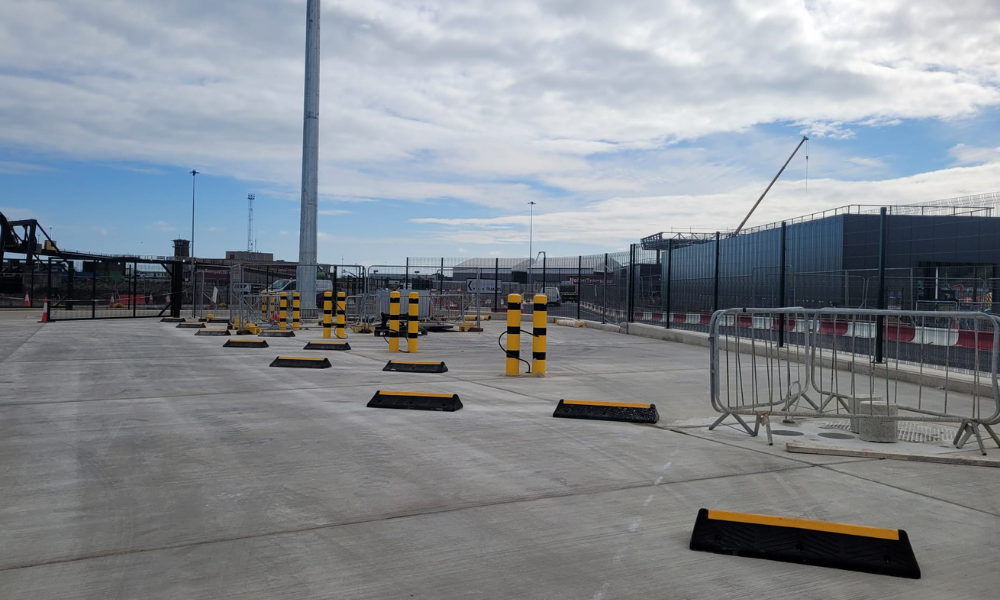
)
(45, 311)
(27, 300)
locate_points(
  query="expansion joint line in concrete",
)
(510, 502)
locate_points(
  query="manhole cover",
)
(837, 436)
(785, 432)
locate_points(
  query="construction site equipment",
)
(828, 367)
(780, 171)
(416, 401)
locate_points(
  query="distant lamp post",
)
(531, 220)
(194, 275)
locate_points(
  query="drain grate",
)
(908, 431)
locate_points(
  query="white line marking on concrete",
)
(667, 466)
(648, 500)
(599, 594)
(634, 525)
(659, 480)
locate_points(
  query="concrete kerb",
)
(961, 383)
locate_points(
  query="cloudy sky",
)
(441, 120)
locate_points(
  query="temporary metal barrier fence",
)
(797, 362)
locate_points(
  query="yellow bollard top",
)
(394, 294)
(541, 299)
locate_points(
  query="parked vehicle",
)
(554, 297)
(288, 285)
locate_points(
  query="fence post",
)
(406, 278)
(604, 292)
(93, 292)
(715, 285)
(883, 220)
(441, 277)
(496, 285)
(135, 285)
(670, 262)
(545, 260)
(630, 286)
(579, 285)
(336, 280)
(781, 284)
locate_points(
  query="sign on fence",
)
(482, 286)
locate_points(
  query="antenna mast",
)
(250, 244)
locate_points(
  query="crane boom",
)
(747, 218)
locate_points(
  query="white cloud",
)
(9, 167)
(970, 155)
(625, 219)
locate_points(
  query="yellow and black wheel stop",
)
(415, 366)
(215, 332)
(277, 333)
(415, 401)
(301, 362)
(628, 412)
(327, 346)
(190, 326)
(172, 320)
(818, 543)
(245, 343)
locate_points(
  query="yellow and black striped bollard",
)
(412, 326)
(513, 335)
(295, 311)
(283, 311)
(394, 322)
(327, 314)
(264, 299)
(341, 315)
(539, 329)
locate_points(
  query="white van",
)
(288, 285)
(553, 295)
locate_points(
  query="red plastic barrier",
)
(970, 339)
(902, 333)
(833, 328)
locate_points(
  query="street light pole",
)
(194, 278)
(531, 219)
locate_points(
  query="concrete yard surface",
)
(138, 460)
